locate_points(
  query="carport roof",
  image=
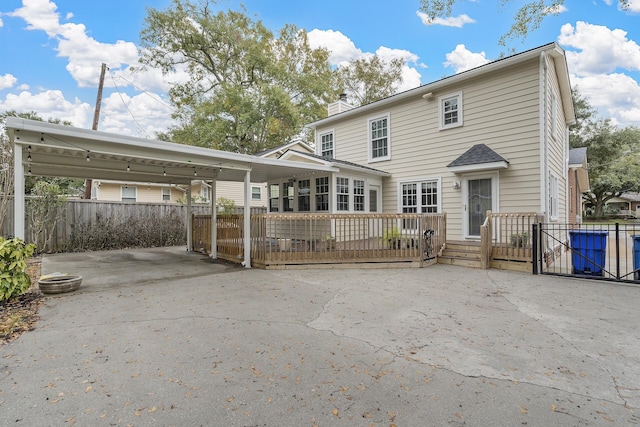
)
(56, 150)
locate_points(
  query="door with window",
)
(479, 196)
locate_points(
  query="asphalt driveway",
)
(165, 337)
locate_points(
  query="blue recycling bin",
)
(636, 257)
(588, 251)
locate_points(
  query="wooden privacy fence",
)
(78, 216)
(281, 240)
(506, 237)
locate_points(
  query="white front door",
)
(479, 195)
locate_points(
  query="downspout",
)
(189, 220)
(544, 172)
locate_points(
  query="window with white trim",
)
(326, 145)
(304, 195)
(128, 194)
(379, 144)
(420, 196)
(256, 193)
(358, 195)
(166, 194)
(553, 196)
(342, 191)
(274, 197)
(450, 111)
(288, 191)
(204, 193)
(322, 193)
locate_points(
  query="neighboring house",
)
(578, 182)
(200, 190)
(491, 138)
(627, 204)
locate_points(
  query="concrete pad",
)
(166, 337)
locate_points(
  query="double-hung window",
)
(342, 191)
(128, 194)
(166, 194)
(450, 111)
(304, 195)
(288, 191)
(419, 197)
(322, 194)
(256, 193)
(379, 139)
(358, 195)
(326, 145)
(274, 197)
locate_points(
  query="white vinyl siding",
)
(379, 138)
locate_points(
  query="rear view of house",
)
(491, 138)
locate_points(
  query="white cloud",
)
(619, 101)
(461, 59)
(451, 21)
(344, 50)
(50, 104)
(7, 81)
(634, 5)
(602, 50)
(142, 115)
(341, 47)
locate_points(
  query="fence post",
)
(534, 247)
(617, 251)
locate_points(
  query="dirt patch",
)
(20, 314)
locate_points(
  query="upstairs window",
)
(326, 145)
(379, 145)
(450, 111)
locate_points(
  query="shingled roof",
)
(479, 154)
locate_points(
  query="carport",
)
(46, 149)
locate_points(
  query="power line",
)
(127, 107)
(147, 93)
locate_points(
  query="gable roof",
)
(284, 147)
(478, 157)
(551, 49)
(334, 162)
(578, 157)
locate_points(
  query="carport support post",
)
(189, 220)
(18, 193)
(214, 221)
(247, 219)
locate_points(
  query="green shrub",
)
(14, 280)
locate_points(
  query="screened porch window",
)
(342, 191)
(358, 195)
(274, 197)
(287, 196)
(304, 195)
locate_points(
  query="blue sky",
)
(52, 51)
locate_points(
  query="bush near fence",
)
(89, 225)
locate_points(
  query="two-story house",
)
(491, 138)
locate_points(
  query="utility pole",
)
(96, 118)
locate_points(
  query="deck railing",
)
(507, 237)
(278, 240)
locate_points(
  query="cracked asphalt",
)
(165, 337)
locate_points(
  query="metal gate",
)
(592, 251)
